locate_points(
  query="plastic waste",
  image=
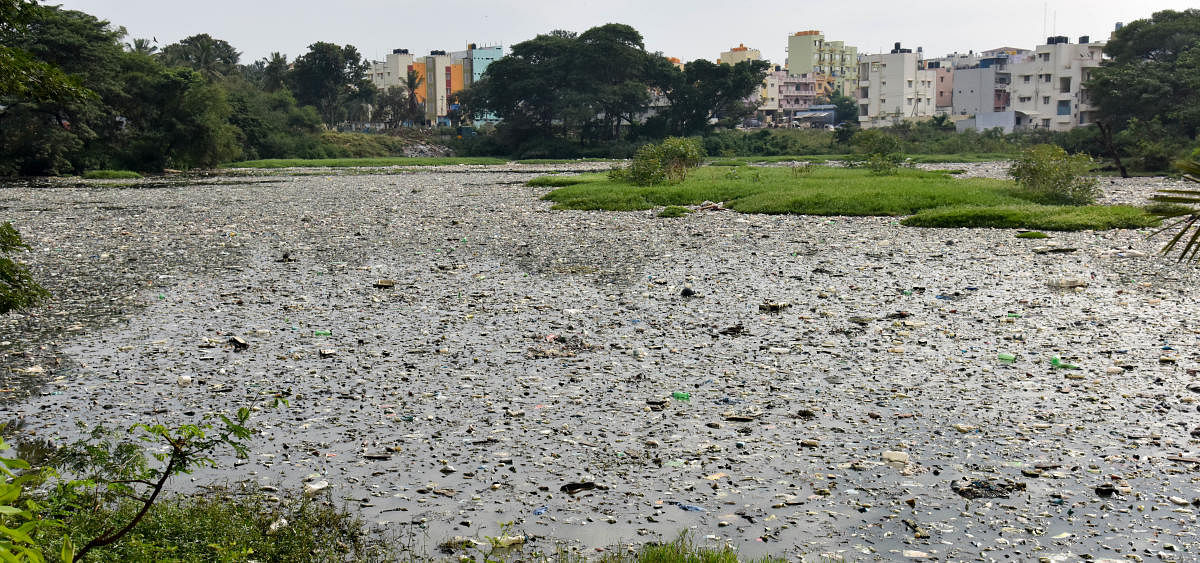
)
(682, 395)
(1059, 364)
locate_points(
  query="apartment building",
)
(392, 71)
(739, 54)
(441, 74)
(894, 87)
(783, 94)
(1047, 91)
(809, 53)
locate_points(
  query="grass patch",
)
(936, 199)
(558, 181)
(356, 162)
(1032, 234)
(111, 175)
(672, 211)
(915, 158)
(682, 550)
(1042, 217)
(564, 160)
(222, 527)
(821, 191)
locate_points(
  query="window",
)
(1025, 99)
(908, 101)
(1046, 123)
(1064, 107)
(910, 83)
(1026, 78)
(1044, 56)
(1064, 84)
(1046, 100)
(1045, 78)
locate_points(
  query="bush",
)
(873, 141)
(17, 287)
(1050, 176)
(666, 162)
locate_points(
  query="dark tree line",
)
(74, 97)
(602, 86)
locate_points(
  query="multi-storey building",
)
(393, 71)
(783, 94)
(441, 74)
(893, 87)
(983, 87)
(809, 53)
(739, 54)
(1047, 85)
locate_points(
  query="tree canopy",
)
(1148, 93)
(601, 86)
(333, 79)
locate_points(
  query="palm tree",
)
(412, 82)
(141, 46)
(1190, 217)
(214, 58)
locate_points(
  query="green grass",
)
(563, 160)
(558, 181)
(1030, 216)
(822, 191)
(352, 162)
(936, 199)
(111, 175)
(916, 158)
(672, 211)
(1032, 234)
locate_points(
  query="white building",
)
(1046, 91)
(892, 89)
(393, 71)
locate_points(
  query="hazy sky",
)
(688, 29)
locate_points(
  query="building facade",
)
(809, 53)
(783, 94)
(893, 87)
(739, 54)
(1047, 85)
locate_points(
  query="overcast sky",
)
(688, 29)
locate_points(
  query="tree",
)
(706, 93)
(214, 58)
(275, 70)
(586, 88)
(1154, 72)
(142, 46)
(413, 81)
(846, 107)
(331, 78)
(391, 106)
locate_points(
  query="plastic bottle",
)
(682, 395)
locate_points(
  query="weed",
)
(671, 211)
(1032, 234)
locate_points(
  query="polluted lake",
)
(461, 361)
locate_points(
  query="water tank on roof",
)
(1084, 40)
(399, 51)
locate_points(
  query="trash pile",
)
(461, 361)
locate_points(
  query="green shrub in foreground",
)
(1050, 176)
(18, 289)
(1042, 217)
(665, 163)
(111, 175)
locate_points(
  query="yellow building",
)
(739, 54)
(809, 52)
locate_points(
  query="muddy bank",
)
(831, 385)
